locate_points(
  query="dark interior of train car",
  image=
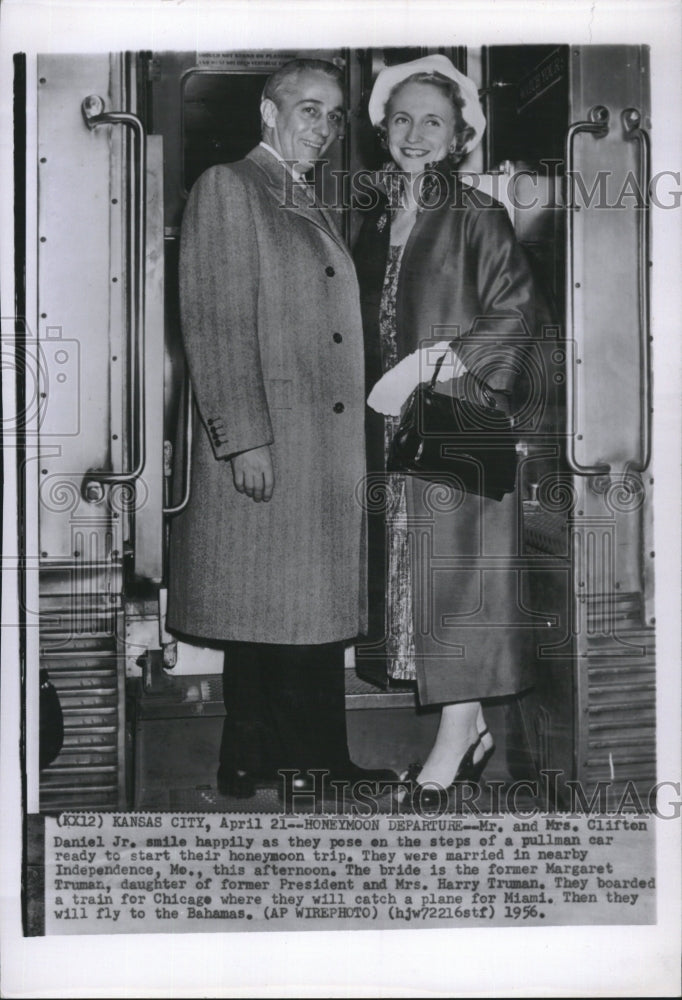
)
(142, 708)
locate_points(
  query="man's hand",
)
(253, 474)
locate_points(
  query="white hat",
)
(387, 79)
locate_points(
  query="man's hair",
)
(285, 77)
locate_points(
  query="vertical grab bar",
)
(189, 433)
(93, 112)
(599, 127)
(633, 131)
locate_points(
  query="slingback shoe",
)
(426, 799)
(470, 771)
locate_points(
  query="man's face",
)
(307, 121)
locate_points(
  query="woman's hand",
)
(393, 388)
(253, 473)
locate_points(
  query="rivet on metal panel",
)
(76, 553)
(652, 554)
(43, 80)
(599, 114)
(43, 159)
(580, 437)
(115, 357)
(577, 284)
(43, 554)
(91, 107)
(114, 280)
(43, 239)
(631, 118)
(44, 471)
(43, 315)
(93, 491)
(581, 512)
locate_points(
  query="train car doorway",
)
(121, 139)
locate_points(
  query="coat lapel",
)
(295, 197)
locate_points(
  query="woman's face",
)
(420, 126)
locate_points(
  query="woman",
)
(438, 263)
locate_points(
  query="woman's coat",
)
(273, 338)
(463, 277)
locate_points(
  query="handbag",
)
(456, 438)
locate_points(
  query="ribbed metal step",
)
(620, 698)
(620, 741)
(612, 613)
(89, 676)
(60, 800)
(646, 717)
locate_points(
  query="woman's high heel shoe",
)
(469, 770)
(432, 799)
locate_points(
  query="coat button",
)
(210, 423)
(329, 271)
(337, 338)
(339, 407)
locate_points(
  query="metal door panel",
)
(609, 378)
(80, 283)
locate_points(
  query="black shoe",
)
(470, 771)
(235, 784)
(425, 800)
(430, 798)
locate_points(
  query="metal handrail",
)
(598, 126)
(93, 112)
(189, 434)
(632, 130)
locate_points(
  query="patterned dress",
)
(400, 653)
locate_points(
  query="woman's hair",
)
(463, 132)
(282, 79)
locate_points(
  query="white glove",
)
(393, 388)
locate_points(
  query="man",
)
(269, 555)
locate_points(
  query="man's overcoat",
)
(273, 338)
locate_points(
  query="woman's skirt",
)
(472, 633)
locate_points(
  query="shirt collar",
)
(299, 178)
